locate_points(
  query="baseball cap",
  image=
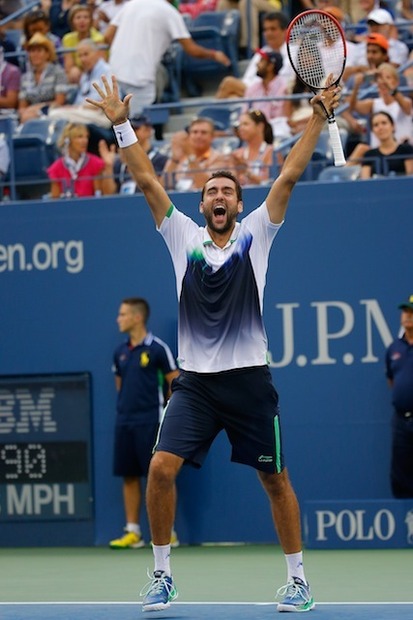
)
(376, 38)
(380, 16)
(140, 120)
(407, 305)
(274, 57)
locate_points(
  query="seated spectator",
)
(77, 172)
(298, 111)
(250, 22)
(93, 68)
(274, 30)
(38, 21)
(380, 21)
(270, 85)
(80, 20)
(389, 99)
(9, 84)
(187, 172)
(44, 82)
(390, 157)
(144, 132)
(377, 52)
(360, 16)
(253, 160)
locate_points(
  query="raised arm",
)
(138, 162)
(300, 155)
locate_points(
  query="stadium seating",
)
(342, 173)
(216, 30)
(224, 116)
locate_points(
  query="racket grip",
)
(335, 140)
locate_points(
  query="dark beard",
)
(221, 230)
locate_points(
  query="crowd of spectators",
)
(65, 46)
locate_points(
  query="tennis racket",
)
(317, 49)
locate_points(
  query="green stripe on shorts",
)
(277, 438)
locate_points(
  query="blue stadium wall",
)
(338, 269)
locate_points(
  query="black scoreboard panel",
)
(45, 448)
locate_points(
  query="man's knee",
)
(275, 484)
(164, 467)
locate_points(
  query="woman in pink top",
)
(77, 172)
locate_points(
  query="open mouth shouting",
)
(219, 212)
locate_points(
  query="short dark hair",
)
(226, 174)
(139, 305)
(277, 16)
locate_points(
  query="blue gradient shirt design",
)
(220, 291)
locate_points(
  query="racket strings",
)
(317, 49)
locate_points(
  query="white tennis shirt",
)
(220, 291)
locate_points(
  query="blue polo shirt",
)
(399, 368)
(142, 370)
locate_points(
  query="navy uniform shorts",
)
(242, 402)
(133, 448)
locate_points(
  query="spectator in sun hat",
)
(44, 82)
(399, 373)
(270, 85)
(143, 128)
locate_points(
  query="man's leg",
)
(160, 504)
(229, 87)
(296, 595)
(161, 495)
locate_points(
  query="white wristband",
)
(125, 135)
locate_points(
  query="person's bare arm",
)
(300, 155)
(110, 34)
(138, 163)
(198, 51)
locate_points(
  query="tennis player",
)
(225, 383)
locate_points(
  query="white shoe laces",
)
(292, 590)
(156, 585)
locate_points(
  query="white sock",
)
(162, 555)
(133, 527)
(295, 566)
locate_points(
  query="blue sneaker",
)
(296, 596)
(158, 592)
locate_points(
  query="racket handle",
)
(335, 139)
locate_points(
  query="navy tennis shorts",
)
(242, 402)
(133, 449)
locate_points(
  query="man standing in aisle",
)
(139, 36)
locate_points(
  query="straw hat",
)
(40, 39)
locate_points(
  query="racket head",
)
(316, 47)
